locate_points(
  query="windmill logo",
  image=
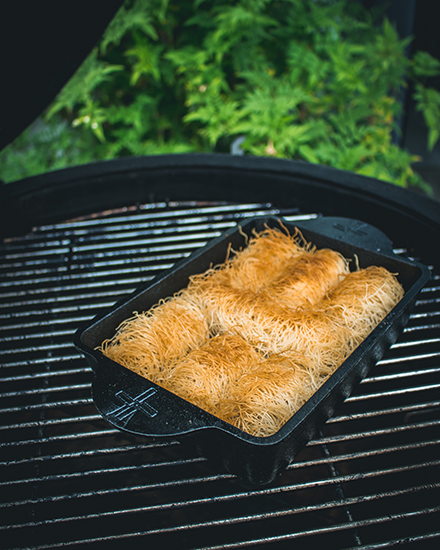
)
(133, 405)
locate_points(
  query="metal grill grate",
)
(67, 479)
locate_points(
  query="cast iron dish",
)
(134, 404)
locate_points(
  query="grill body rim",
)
(106, 185)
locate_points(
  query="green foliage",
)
(131, 18)
(428, 99)
(316, 80)
(44, 146)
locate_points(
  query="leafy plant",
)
(44, 146)
(317, 80)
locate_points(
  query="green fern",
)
(316, 81)
(128, 19)
(88, 78)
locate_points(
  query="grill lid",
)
(43, 44)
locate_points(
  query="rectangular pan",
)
(136, 405)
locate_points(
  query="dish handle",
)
(350, 232)
(134, 404)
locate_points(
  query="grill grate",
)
(371, 480)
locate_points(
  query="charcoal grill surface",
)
(371, 480)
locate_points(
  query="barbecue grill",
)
(78, 241)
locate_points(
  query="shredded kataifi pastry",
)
(251, 340)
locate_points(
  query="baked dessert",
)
(252, 339)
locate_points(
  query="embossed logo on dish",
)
(355, 230)
(133, 405)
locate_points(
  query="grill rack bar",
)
(351, 525)
(326, 460)
(258, 517)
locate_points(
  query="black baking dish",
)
(134, 404)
